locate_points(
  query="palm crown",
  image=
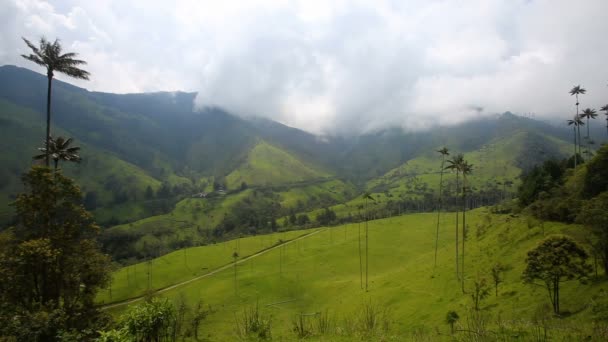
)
(50, 55)
(59, 149)
(576, 90)
(589, 113)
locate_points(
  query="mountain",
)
(146, 155)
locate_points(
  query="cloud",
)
(335, 66)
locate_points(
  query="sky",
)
(333, 67)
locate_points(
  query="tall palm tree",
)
(465, 169)
(444, 152)
(50, 56)
(367, 196)
(573, 123)
(59, 149)
(454, 165)
(360, 257)
(605, 109)
(588, 113)
(576, 91)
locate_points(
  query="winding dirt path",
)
(206, 275)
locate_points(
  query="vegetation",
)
(555, 260)
(50, 266)
(193, 205)
(51, 56)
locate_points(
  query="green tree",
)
(575, 122)
(465, 169)
(451, 318)
(576, 91)
(497, 275)
(481, 291)
(596, 177)
(50, 265)
(235, 257)
(588, 113)
(444, 152)
(556, 259)
(51, 56)
(59, 149)
(594, 215)
(367, 196)
(455, 164)
(152, 321)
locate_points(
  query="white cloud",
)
(334, 66)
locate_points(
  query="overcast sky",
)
(334, 66)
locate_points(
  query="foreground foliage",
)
(50, 265)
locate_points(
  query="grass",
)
(132, 281)
(269, 165)
(320, 274)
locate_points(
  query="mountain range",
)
(145, 155)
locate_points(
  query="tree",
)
(594, 215)
(576, 91)
(451, 318)
(153, 320)
(574, 123)
(149, 194)
(51, 56)
(59, 149)
(465, 169)
(444, 152)
(481, 291)
(596, 177)
(588, 113)
(497, 275)
(556, 259)
(235, 256)
(605, 109)
(367, 196)
(455, 165)
(50, 265)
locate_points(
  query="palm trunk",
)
(578, 129)
(366, 245)
(575, 162)
(457, 187)
(48, 116)
(439, 208)
(360, 258)
(588, 138)
(464, 226)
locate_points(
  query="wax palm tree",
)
(59, 149)
(605, 109)
(573, 123)
(465, 169)
(444, 152)
(588, 113)
(367, 196)
(50, 56)
(576, 91)
(454, 165)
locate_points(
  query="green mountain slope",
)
(321, 274)
(269, 165)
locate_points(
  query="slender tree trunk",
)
(439, 208)
(588, 139)
(366, 245)
(457, 219)
(48, 116)
(360, 257)
(575, 161)
(578, 129)
(464, 226)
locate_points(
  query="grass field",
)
(321, 274)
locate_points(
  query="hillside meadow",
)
(314, 285)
